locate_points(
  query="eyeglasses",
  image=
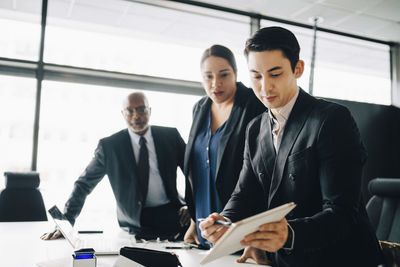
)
(139, 110)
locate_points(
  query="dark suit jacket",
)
(318, 166)
(230, 152)
(114, 157)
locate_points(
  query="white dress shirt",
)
(156, 195)
(279, 120)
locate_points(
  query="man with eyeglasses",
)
(141, 164)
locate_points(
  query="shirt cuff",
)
(290, 240)
(227, 219)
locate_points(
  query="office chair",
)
(384, 208)
(384, 213)
(21, 200)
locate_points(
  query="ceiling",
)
(377, 19)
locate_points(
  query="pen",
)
(187, 246)
(176, 247)
(217, 222)
(90, 232)
(198, 246)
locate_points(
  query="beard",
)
(138, 126)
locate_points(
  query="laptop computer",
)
(102, 245)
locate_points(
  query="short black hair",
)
(220, 51)
(275, 38)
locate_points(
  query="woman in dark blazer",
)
(214, 153)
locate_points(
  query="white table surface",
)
(21, 246)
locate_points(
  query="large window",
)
(161, 39)
(345, 68)
(352, 69)
(74, 118)
(17, 100)
(20, 29)
(137, 38)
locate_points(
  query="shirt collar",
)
(135, 137)
(285, 111)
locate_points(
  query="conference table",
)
(21, 246)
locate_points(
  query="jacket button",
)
(292, 177)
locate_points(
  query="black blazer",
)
(230, 152)
(114, 157)
(318, 166)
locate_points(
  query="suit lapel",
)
(128, 156)
(231, 123)
(266, 144)
(198, 121)
(229, 128)
(295, 123)
(159, 147)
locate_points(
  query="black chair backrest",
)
(21, 200)
(384, 208)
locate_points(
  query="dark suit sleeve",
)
(189, 201)
(180, 150)
(92, 175)
(248, 197)
(188, 187)
(340, 156)
(180, 154)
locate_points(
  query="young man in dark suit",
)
(304, 150)
(141, 164)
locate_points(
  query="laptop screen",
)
(64, 225)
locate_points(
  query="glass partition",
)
(20, 29)
(17, 106)
(138, 38)
(345, 68)
(73, 119)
